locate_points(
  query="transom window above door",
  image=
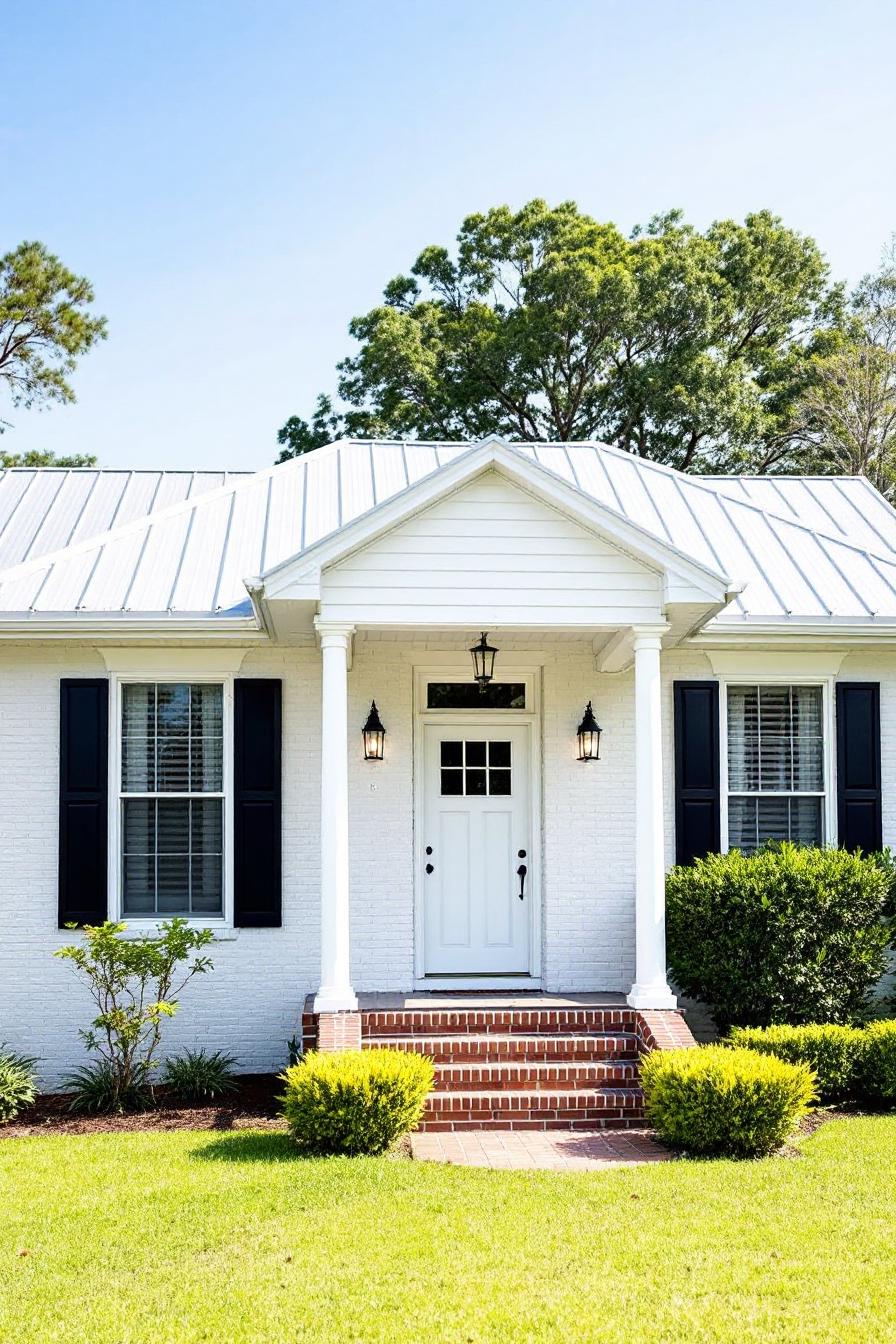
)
(475, 768)
(468, 695)
(776, 765)
(172, 799)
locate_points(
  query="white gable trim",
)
(299, 577)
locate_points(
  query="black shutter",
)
(83, 801)
(256, 804)
(858, 766)
(696, 769)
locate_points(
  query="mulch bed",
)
(253, 1106)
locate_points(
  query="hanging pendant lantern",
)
(374, 735)
(589, 736)
(483, 656)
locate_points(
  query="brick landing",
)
(540, 1150)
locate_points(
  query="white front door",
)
(477, 842)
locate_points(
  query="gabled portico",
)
(493, 542)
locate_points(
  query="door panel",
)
(476, 819)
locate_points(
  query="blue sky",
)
(238, 179)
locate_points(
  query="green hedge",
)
(831, 1052)
(876, 1081)
(718, 1101)
(355, 1101)
(786, 935)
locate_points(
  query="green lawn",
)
(228, 1237)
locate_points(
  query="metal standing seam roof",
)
(805, 548)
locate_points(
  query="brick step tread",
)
(521, 1075)
(627, 1100)
(600, 1120)
(513, 1046)
(487, 1020)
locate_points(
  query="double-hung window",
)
(776, 765)
(172, 799)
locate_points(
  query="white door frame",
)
(530, 718)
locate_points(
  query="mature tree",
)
(690, 348)
(847, 416)
(45, 325)
(299, 436)
(45, 459)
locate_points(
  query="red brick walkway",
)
(544, 1150)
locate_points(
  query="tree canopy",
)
(34, 458)
(847, 415)
(45, 325)
(691, 348)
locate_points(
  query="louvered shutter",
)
(256, 803)
(696, 769)
(859, 824)
(83, 801)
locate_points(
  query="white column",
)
(650, 989)
(335, 993)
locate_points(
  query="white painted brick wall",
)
(251, 1003)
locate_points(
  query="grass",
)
(186, 1236)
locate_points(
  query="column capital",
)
(333, 634)
(649, 636)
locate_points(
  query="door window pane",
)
(475, 769)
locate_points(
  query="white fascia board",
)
(300, 573)
(20, 626)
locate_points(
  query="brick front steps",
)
(519, 1067)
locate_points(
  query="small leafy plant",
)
(17, 1083)
(831, 1051)
(97, 1090)
(134, 983)
(355, 1101)
(721, 1102)
(200, 1075)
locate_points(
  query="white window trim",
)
(752, 677)
(526, 675)
(222, 924)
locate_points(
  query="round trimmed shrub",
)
(355, 1101)
(877, 1064)
(716, 1101)
(17, 1083)
(788, 934)
(831, 1051)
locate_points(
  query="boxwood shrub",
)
(831, 1051)
(17, 1083)
(786, 935)
(355, 1101)
(876, 1082)
(713, 1100)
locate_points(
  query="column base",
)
(651, 996)
(330, 999)
(338, 1031)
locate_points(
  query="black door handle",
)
(521, 874)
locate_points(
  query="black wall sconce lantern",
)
(589, 736)
(374, 735)
(483, 656)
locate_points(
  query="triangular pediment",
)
(456, 500)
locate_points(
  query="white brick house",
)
(186, 665)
